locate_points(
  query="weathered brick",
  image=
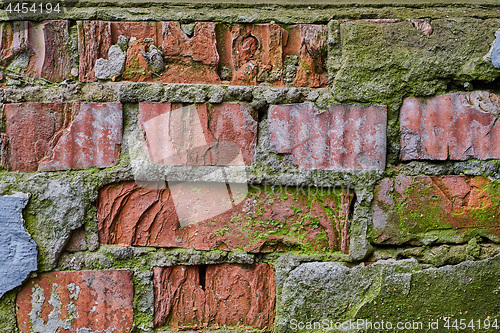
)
(344, 137)
(190, 59)
(454, 126)
(61, 136)
(448, 209)
(40, 50)
(309, 43)
(76, 301)
(253, 54)
(223, 134)
(203, 216)
(94, 41)
(213, 295)
(49, 43)
(186, 59)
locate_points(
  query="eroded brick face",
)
(62, 136)
(215, 295)
(73, 301)
(454, 126)
(176, 134)
(343, 137)
(205, 216)
(253, 54)
(39, 49)
(242, 54)
(447, 209)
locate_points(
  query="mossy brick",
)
(383, 60)
(387, 292)
(426, 210)
(204, 216)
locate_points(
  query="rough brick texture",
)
(62, 136)
(213, 295)
(40, 49)
(455, 127)
(449, 209)
(176, 134)
(84, 301)
(252, 54)
(203, 216)
(344, 137)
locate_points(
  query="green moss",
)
(8, 321)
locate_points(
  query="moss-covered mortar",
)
(389, 290)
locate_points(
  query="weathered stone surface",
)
(213, 295)
(495, 50)
(344, 137)
(425, 210)
(454, 126)
(59, 203)
(112, 67)
(84, 301)
(388, 290)
(49, 45)
(190, 59)
(61, 136)
(203, 216)
(176, 134)
(380, 60)
(14, 38)
(97, 37)
(18, 255)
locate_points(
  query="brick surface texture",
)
(77, 301)
(202, 216)
(62, 136)
(228, 294)
(344, 137)
(453, 127)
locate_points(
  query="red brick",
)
(187, 59)
(344, 137)
(190, 59)
(203, 216)
(309, 42)
(454, 126)
(253, 53)
(70, 301)
(61, 136)
(215, 295)
(228, 138)
(94, 41)
(14, 38)
(445, 209)
(48, 42)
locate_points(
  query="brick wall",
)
(250, 167)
